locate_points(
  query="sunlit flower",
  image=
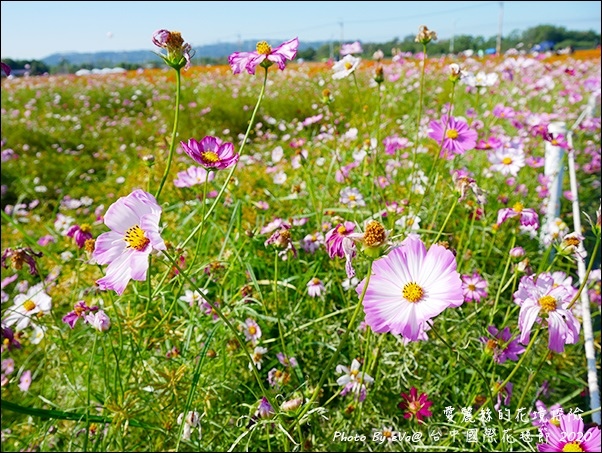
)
(354, 47)
(195, 297)
(540, 298)
(425, 35)
(454, 134)
(507, 160)
(315, 287)
(252, 330)
(80, 234)
(409, 286)
(134, 224)
(474, 287)
(501, 345)
(353, 381)
(192, 176)
(570, 435)
(80, 309)
(528, 217)
(98, 320)
(351, 197)
(345, 66)
(34, 303)
(264, 56)
(257, 357)
(179, 53)
(415, 406)
(211, 152)
(463, 183)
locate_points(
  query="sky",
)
(35, 30)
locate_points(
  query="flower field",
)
(396, 253)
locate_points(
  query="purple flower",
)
(252, 330)
(570, 436)
(286, 361)
(99, 320)
(527, 216)
(455, 134)
(25, 381)
(503, 396)
(415, 406)
(80, 309)
(540, 297)
(192, 176)
(80, 233)
(353, 380)
(409, 287)
(264, 56)
(179, 53)
(5, 68)
(211, 153)
(20, 256)
(474, 287)
(134, 224)
(9, 341)
(315, 287)
(334, 239)
(501, 345)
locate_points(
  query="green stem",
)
(88, 392)
(499, 292)
(451, 210)
(530, 380)
(337, 352)
(276, 299)
(229, 177)
(587, 272)
(174, 133)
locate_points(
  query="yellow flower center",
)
(85, 228)
(352, 197)
(472, 287)
(348, 66)
(571, 241)
(412, 292)
(387, 433)
(451, 133)
(263, 48)
(507, 160)
(572, 446)
(210, 156)
(315, 281)
(375, 234)
(341, 229)
(89, 245)
(491, 344)
(29, 305)
(547, 303)
(79, 310)
(354, 373)
(518, 207)
(555, 143)
(135, 238)
(252, 330)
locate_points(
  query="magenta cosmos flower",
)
(501, 345)
(528, 216)
(211, 152)
(264, 56)
(334, 239)
(134, 224)
(570, 436)
(409, 286)
(415, 406)
(540, 297)
(455, 134)
(474, 287)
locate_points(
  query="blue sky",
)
(34, 30)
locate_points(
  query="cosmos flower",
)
(345, 66)
(80, 234)
(315, 287)
(541, 298)
(211, 153)
(456, 136)
(501, 345)
(134, 224)
(507, 160)
(409, 286)
(25, 381)
(527, 216)
(570, 436)
(351, 197)
(80, 309)
(192, 176)
(415, 406)
(252, 330)
(26, 306)
(354, 47)
(353, 380)
(503, 396)
(474, 287)
(192, 420)
(179, 53)
(20, 256)
(98, 320)
(264, 56)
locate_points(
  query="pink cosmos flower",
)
(99, 320)
(507, 160)
(211, 153)
(80, 309)
(252, 330)
(264, 56)
(354, 47)
(80, 234)
(192, 176)
(315, 287)
(570, 436)
(501, 345)
(539, 298)
(179, 52)
(528, 217)
(474, 287)
(134, 224)
(25, 381)
(504, 396)
(457, 137)
(353, 380)
(415, 406)
(334, 239)
(409, 286)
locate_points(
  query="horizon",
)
(53, 29)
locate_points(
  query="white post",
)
(588, 334)
(553, 170)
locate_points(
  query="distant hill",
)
(218, 50)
